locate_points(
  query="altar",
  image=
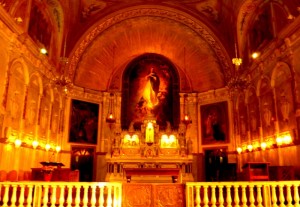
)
(150, 155)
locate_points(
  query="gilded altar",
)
(152, 148)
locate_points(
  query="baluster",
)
(198, 198)
(213, 196)
(14, 195)
(189, 195)
(251, 195)
(62, 196)
(101, 196)
(117, 196)
(45, 197)
(85, 195)
(259, 197)
(53, 196)
(236, 196)
(29, 197)
(221, 197)
(289, 195)
(228, 197)
(22, 195)
(5, 196)
(296, 195)
(69, 198)
(205, 196)
(109, 197)
(281, 195)
(244, 196)
(274, 196)
(93, 196)
(77, 198)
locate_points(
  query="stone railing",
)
(198, 194)
(234, 194)
(60, 194)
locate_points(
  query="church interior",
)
(109, 91)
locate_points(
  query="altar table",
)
(175, 173)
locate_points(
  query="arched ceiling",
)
(189, 44)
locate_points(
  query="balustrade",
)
(109, 194)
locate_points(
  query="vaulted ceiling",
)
(197, 36)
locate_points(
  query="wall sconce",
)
(250, 147)
(57, 149)
(186, 119)
(18, 143)
(47, 147)
(239, 150)
(263, 145)
(35, 144)
(110, 118)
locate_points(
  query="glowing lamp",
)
(263, 145)
(18, 143)
(57, 149)
(47, 147)
(35, 144)
(239, 150)
(250, 147)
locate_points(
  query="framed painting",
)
(83, 122)
(214, 123)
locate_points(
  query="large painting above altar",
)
(148, 90)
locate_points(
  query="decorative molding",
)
(199, 28)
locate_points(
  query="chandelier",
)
(61, 79)
(236, 81)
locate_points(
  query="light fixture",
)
(263, 145)
(35, 144)
(250, 147)
(57, 149)
(110, 118)
(236, 82)
(60, 77)
(18, 143)
(239, 150)
(255, 55)
(43, 51)
(186, 116)
(47, 147)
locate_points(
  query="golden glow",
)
(47, 147)
(239, 150)
(168, 141)
(255, 55)
(150, 133)
(237, 61)
(57, 148)
(18, 143)
(250, 147)
(43, 51)
(35, 144)
(263, 145)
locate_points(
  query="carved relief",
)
(169, 195)
(138, 195)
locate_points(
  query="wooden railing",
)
(198, 194)
(244, 194)
(60, 194)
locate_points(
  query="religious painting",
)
(83, 122)
(150, 93)
(214, 125)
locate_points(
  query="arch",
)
(148, 11)
(164, 101)
(281, 67)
